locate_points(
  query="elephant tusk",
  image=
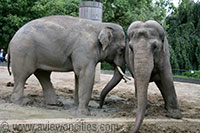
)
(124, 76)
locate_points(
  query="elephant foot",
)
(84, 112)
(50, 100)
(21, 101)
(16, 99)
(174, 113)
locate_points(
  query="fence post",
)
(92, 10)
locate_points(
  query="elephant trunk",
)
(141, 104)
(142, 72)
(113, 82)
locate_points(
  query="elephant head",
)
(147, 57)
(112, 39)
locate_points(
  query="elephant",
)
(148, 60)
(63, 44)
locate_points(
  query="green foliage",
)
(106, 66)
(15, 13)
(56, 7)
(124, 12)
(192, 74)
(184, 35)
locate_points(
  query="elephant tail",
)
(8, 65)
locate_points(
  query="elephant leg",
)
(113, 82)
(22, 67)
(86, 82)
(160, 87)
(169, 95)
(18, 92)
(76, 102)
(48, 90)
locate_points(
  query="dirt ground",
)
(120, 102)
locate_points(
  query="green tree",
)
(56, 7)
(13, 14)
(184, 35)
(124, 12)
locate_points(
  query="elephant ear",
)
(105, 37)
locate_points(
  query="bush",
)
(106, 66)
(192, 74)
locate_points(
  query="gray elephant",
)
(63, 44)
(148, 59)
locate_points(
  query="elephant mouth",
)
(126, 78)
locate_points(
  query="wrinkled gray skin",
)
(148, 60)
(63, 44)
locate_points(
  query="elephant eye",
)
(163, 40)
(121, 50)
(154, 46)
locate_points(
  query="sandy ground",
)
(120, 103)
